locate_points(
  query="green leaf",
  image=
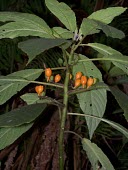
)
(96, 155)
(23, 24)
(89, 27)
(86, 67)
(122, 100)
(12, 83)
(20, 116)
(104, 49)
(107, 15)
(9, 135)
(63, 12)
(33, 50)
(112, 55)
(32, 98)
(111, 31)
(123, 65)
(62, 33)
(91, 102)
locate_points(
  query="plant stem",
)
(71, 54)
(73, 48)
(48, 84)
(63, 120)
(65, 103)
(15, 80)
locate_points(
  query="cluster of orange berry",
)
(83, 80)
(48, 73)
(80, 79)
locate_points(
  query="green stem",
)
(71, 54)
(74, 47)
(79, 43)
(48, 84)
(65, 103)
(63, 120)
(32, 81)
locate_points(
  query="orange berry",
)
(39, 89)
(77, 83)
(78, 75)
(57, 78)
(90, 82)
(48, 73)
(83, 81)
